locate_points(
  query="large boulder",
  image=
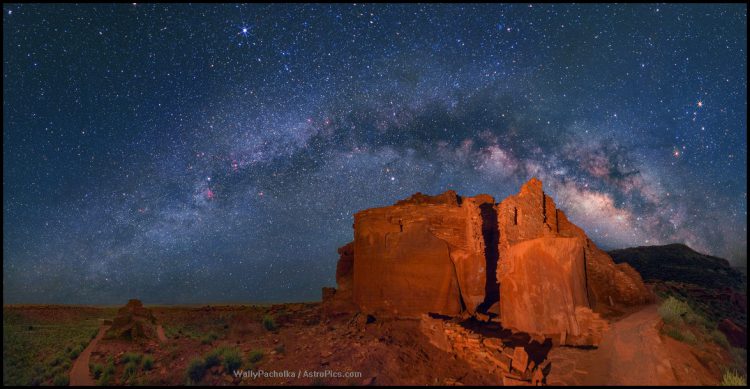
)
(424, 254)
(543, 283)
(133, 322)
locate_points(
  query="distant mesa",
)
(680, 263)
(465, 256)
(133, 322)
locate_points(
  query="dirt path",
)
(160, 333)
(79, 374)
(631, 353)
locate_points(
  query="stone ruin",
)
(520, 262)
(133, 322)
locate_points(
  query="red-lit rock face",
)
(424, 254)
(445, 254)
(532, 214)
(543, 281)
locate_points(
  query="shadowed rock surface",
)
(680, 263)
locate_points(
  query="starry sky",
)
(217, 153)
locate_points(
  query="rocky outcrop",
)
(339, 299)
(453, 256)
(133, 322)
(543, 290)
(532, 214)
(509, 363)
(424, 254)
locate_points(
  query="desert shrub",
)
(105, 379)
(75, 352)
(683, 336)
(269, 323)
(148, 362)
(281, 349)
(110, 368)
(675, 334)
(196, 369)
(689, 337)
(255, 356)
(61, 379)
(131, 357)
(49, 373)
(695, 319)
(209, 338)
(232, 360)
(672, 310)
(56, 360)
(212, 359)
(129, 371)
(732, 378)
(719, 338)
(96, 370)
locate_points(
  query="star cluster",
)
(217, 153)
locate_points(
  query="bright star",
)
(700, 103)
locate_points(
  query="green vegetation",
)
(686, 325)
(232, 360)
(129, 371)
(213, 358)
(131, 357)
(37, 349)
(209, 338)
(733, 378)
(719, 338)
(672, 310)
(96, 370)
(255, 356)
(76, 352)
(229, 357)
(269, 323)
(196, 369)
(148, 362)
(61, 379)
(677, 315)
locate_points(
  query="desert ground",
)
(298, 344)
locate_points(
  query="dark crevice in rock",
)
(491, 235)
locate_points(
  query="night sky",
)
(204, 153)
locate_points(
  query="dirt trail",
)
(79, 374)
(631, 353)
(160, 333)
